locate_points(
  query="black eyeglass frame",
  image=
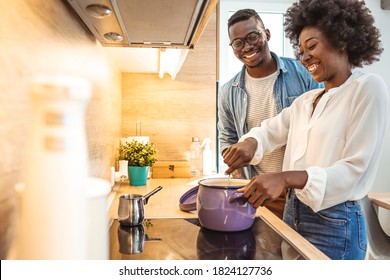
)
(246, 40)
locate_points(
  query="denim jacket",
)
(293, 80)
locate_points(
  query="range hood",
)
(145, 23)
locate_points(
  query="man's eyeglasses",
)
(252, 39)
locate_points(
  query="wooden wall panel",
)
(171, 112)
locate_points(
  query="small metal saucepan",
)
(131, 208)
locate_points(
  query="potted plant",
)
(140, 156)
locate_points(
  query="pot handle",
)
(146, 196)
(238, 198)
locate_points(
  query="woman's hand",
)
(264, 188)
(239, 154)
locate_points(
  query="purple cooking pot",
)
(221, 208)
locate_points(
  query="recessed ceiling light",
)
(98, 11)
(114, 37)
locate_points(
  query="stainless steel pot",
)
(131, 208)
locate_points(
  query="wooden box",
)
(171, 169)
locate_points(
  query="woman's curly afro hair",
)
(347, 24)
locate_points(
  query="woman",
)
(333, 136)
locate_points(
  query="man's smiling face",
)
(251, 55)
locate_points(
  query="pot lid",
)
(187, 201)
(223, 183)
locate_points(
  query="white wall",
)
(382, 183)
(382, 21)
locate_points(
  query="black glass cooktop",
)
(185, 239)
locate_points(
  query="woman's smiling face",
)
(323, 61)
(250, 55)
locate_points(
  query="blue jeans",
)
(339, 231)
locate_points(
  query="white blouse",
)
(339, 145)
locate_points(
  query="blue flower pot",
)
(138, 175)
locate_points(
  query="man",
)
(265, 85)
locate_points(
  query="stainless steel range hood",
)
(145, 23)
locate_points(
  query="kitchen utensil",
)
(131, 207)
(221, 208)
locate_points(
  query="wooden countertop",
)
(165, 204)
(381, 199)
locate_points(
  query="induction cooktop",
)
(186, 239)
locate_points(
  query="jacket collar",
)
(279, 65)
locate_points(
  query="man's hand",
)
(240, 154)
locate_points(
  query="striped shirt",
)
(261, 106)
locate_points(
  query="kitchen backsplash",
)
(171, 112)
